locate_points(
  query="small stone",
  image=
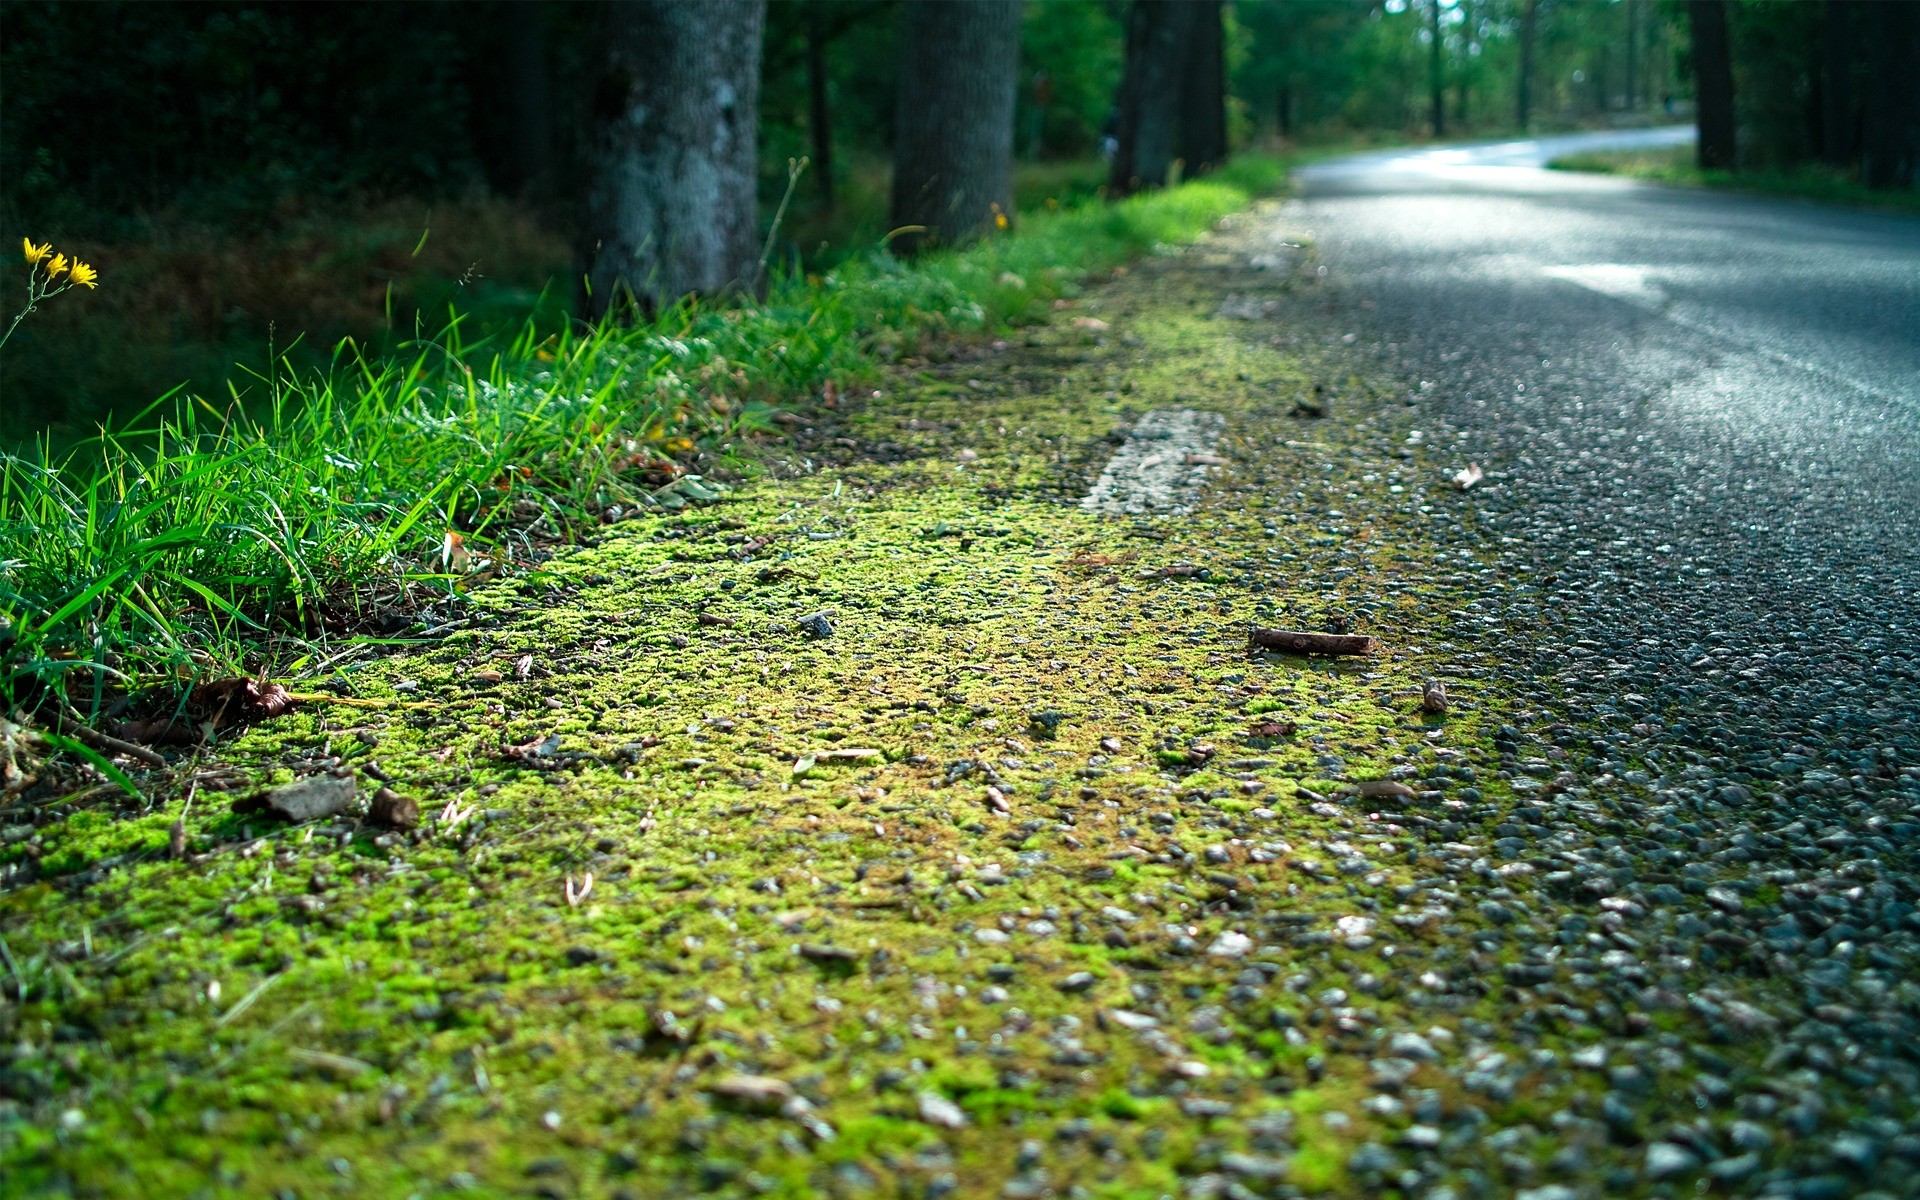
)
(393, 810)
(303, 800)
(991, 937)
(1735, 1169)
(936, 1109)
(816, 625)
(758, 1092)
(1253, 1166)
(1079, 981)
(1230, 945)
(1421, 1137)
(1412, 1045)
(1665, 1159)
(580, 956)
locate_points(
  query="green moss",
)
(439, 1006)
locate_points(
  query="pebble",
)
(936, 1109)
(1230, 944)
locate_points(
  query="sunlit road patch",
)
(1161, 466)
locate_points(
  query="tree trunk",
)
(670, 199)
(1839, 112)
(1712, 83)
(1159, 36)
(531, 96)
(1633, 54)
(953, 128)
(1203, 91)
(820, 113)
(1890, 126)
(1523, 93)
(1437, 79)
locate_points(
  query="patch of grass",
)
(1675, 165)
(204, 538)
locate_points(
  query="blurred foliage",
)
(246, 172)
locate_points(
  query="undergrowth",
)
(205, 539)
(1827, 185)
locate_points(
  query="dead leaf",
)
(1433, 698)
(303, 800)
(1090, 324)
(453, 554)
(523, 668)
(536, 753)
(1467, 476)
(393, 810)
(997, 800)
(1205, 460)
(1382, 787)
(762, 1093)
(1271, 729)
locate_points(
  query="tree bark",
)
(1633, 54)
(1203, 92)
(1523, 92)
(953, 128)
(1436, 75)
(820, 112)
(1159, 40)
(670, 199)
(1890, 125)
(531, 94)
(1712, 83)
(1839, 109)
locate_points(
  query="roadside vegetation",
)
(208, 538)
(1677, 165)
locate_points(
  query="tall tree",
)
(1890, 126)
(1172, 102)
(1436, 73)
(953, 128)
(1839, 110)
(670, 198)
(1712, 83)
(1159, 35)
(1523, 88)
(1203, 91)
(819, 110)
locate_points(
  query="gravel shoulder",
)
(907, 826)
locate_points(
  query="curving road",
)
(1700, 416)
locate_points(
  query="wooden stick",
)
(1295, 642)
(71, 723)
(356, 701)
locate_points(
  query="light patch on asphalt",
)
(1618, 280)
(1162, 465)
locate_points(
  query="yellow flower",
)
(84, 275)
(56, 265)
(1000, 220)
(35, 253)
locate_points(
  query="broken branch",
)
(1295, 642)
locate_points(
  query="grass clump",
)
(1675, 165)
(206, 538)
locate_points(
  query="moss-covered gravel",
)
(1192, 947)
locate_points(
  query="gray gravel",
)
(1695, 559)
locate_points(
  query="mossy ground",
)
(326, 1010)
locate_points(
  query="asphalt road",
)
(1700, 417)
(1702, 409)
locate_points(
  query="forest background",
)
(261, 180)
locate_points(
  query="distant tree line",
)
(1834, 81)
(658, 129)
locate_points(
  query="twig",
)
(795, 167)
(74, 725)
(357, 701)
(1295, 642)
